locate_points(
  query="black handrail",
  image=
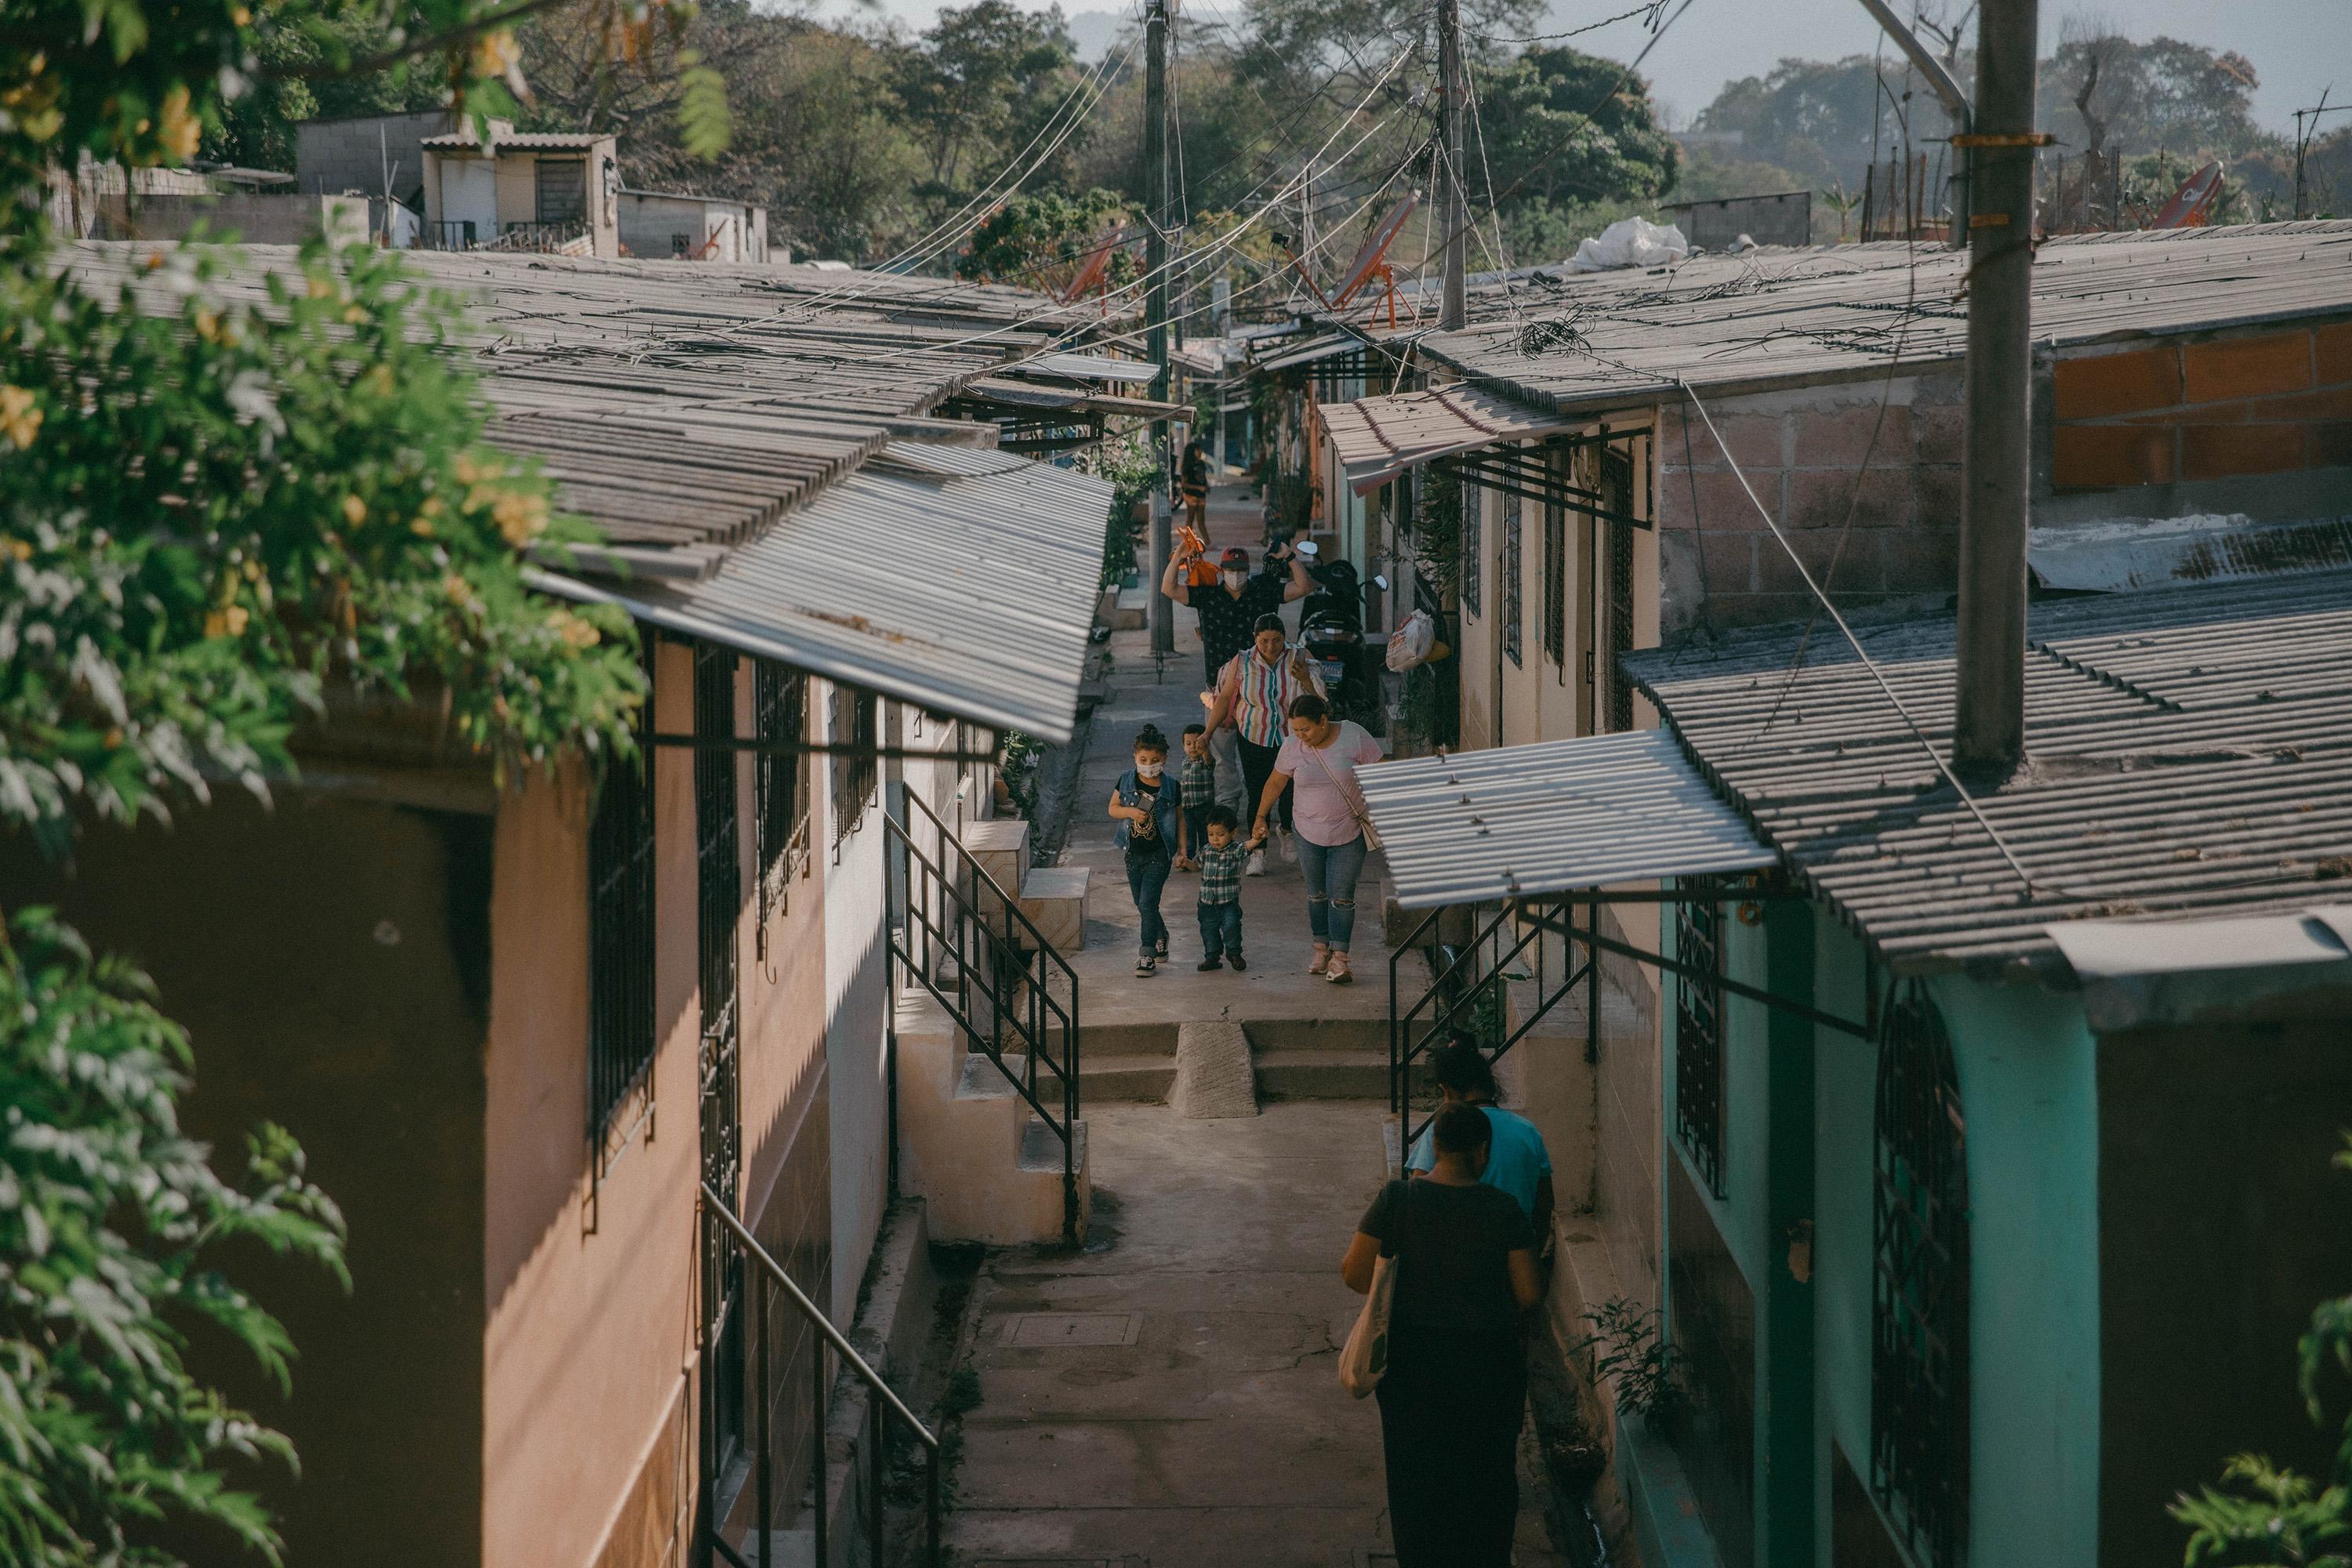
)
(766, 1275)
(943, 906)
(1456, 984)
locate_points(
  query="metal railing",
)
(1469, 990)
(1003, 991)
(768, 1277)
(446, 234)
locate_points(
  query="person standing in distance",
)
(1229, 611)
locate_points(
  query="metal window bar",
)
(1699, 1035)
(1617, 484)
(1919, 1307)
(719, 900)
(857, 771)
(779, 802)
(963, 939)
(622, 1023)
(885, 1412)
(1471, 574)
(1469, 991)
(1507, 588)
(1555, 583)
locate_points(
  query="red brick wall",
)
(1802, 456)
(2273, 404)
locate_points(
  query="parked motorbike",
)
(1331, 625)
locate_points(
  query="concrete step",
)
(1054, 897)
(1129, 610)
(1041, 1148)
(1000, 847)
(1137, 1077)
(1322, 1034)
(1323, 1074)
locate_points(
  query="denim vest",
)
(1165, 811)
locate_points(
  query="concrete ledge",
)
(1668, 1530)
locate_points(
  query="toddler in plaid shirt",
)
(1221, 889)
(1197, 790)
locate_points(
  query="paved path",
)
(1274, 906)
(1214, 1431)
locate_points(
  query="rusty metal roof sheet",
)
(1778, 317)
(1378, 438)
(2191, 754)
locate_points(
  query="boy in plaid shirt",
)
(1220, 860)
(1197, 787)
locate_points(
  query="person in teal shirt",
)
(1518, 1163)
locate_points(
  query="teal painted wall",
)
(2029, 1086)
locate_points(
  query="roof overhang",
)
(1553, 817)
(2136, 973)
(1377, 438)
(962, 579)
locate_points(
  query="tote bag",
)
(1365, 1357)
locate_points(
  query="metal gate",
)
(718, 880)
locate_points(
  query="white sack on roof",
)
(1630, 242)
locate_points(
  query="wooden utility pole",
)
(1155, 302)
(1989, 730)
(1454, 209)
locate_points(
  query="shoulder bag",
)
(1364, 1359)
(1349, 793)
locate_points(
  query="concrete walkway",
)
(1119, 1009)
(1170, 1396)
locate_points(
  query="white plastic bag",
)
(1409, 644)
(1630, 242)
(1364, 1359)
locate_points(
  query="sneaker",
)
(1162, 949)
(1338, 972)
(1210, 963)
(1237, 961)
(1321, 959)
(1146, 964)
(1256, 866)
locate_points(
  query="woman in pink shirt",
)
(1317, 764)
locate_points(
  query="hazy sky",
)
(2298, 47)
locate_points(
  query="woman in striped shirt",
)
(1254, 691)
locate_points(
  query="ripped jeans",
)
(1331, 872)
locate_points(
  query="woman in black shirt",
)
(1456, 1389)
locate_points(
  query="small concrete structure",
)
(522, 191)
(1215, 1076)
(659, 225)
(1780, 218)
(252, 217)
(368, 154)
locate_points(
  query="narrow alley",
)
(1170, 1394)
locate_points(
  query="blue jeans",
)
(1331, 874)
(1146, 875)
(1221, 930)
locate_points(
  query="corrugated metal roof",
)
(522, 141)
(2191, 754)
(1378, 438)
(960, 579)
(1773, 317)
(1552, 817)
(2180, 972)
(1088, 367)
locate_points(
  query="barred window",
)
(1473, 506)
(1699, 1033)
(1508, 589)
(1617, 495)
(857, 725)
(621, 1015)
(1920, 1305)
(1555, 581)
(781, 806)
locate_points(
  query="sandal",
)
(1336, 971)
(1322, 958)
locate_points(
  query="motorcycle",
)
(1331, 626)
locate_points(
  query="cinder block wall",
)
(1871, 499)
(2220, 408)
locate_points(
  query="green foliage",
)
(1553, 127)
(211, 511)
(1133, 468)
(981, 84)
(110, 1224)
(1629, 1352)
(1041, 240)
(2264, 1515)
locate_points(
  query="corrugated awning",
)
(2182, 971)
(1554, 817)
(1088, 367)
(958, 578)
(1377, 438)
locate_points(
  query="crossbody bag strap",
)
(1352, 796)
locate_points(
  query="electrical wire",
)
(1649, 8)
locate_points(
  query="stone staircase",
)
(989, 1166)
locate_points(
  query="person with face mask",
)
(1144, 802)
(1254, 691)
(1229, 611)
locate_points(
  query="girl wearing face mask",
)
(1145, 804)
